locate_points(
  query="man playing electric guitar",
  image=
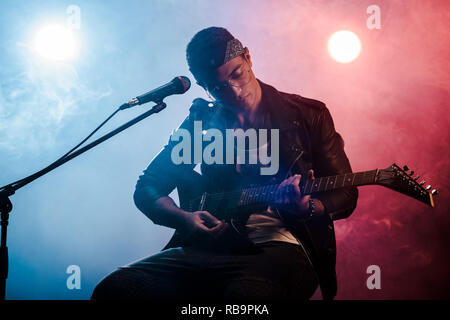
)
(262, 242)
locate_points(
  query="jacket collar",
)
(283, 115)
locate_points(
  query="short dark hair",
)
(206, 51)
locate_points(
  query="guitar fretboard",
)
(265, 194)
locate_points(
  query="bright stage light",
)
(344, 46)
(55, 42)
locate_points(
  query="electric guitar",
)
(232, 205)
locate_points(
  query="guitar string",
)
(238, 193)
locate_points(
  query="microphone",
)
(178, 85)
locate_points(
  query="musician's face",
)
(234, 83)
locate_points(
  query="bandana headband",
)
(234, 49)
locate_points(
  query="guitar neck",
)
(265, 194)
(340, 181)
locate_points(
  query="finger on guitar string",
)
(209, 219)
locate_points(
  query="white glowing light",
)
(344, 46)
(55, 42)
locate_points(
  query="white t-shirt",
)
(267, 226)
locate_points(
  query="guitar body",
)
(193, 197)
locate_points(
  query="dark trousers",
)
(272, 271)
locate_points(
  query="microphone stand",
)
(9, 190)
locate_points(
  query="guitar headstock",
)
(404, 181)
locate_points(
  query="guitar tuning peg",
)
(434, 192)
(428, 187)
(411, 173)
(417, 177)
(405, 167)
(422, 182)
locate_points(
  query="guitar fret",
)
(372, 180)
(312, 187)
(336, 183)
(273, 190)
(304, 187)
(331, 183)
(308, 185)
(322, 184)
(326, 184)
(252, 191)
(255, 195)
(258, 194)
(349, 180)
(315, 185)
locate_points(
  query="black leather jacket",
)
(308, 140)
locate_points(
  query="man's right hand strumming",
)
(197, 225)
(203, 225)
